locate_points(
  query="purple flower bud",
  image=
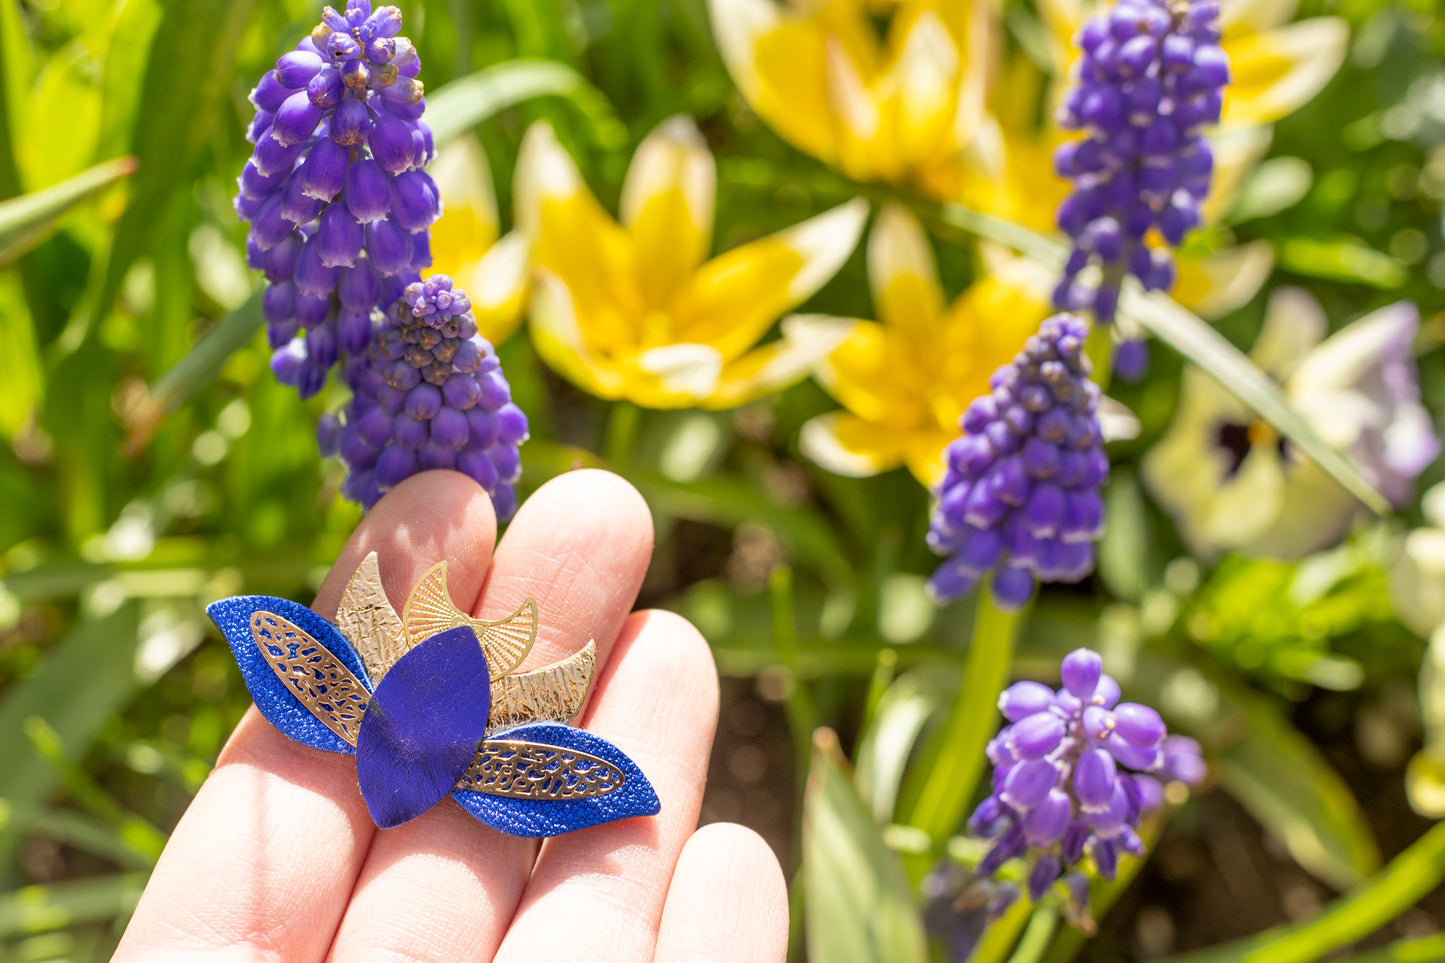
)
(296, 207)
(390, 143)
(255, 185)
(279, 263)
(1094, 780)
(312, 276)
(279, 301)
(1106, 858)
(368, 191)
(1046, 822)
(339, 238)
(1183, 760)
(475, 464)
(1081, 671)
(295, 69)
(351, 123)
(1023, 699)
(1139, 724)
(323, 171)
(395, 466)
(296, 120)
(1027, 783)
(1134, 756)
(353, 330)
(325, 90)
(1036, 736)
(1046, 870)
(269, 228)
(271, 157)
(414, 201)
(388, 247)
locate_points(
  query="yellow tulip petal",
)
(777, 61)
(865, 149)
(667, 205)
(1247, 16)
(468, 225)
(497, 285)
(807, 339)
(558, 339)
(732, 300)
(902, 273)
(924, 455)
(925, 74)
(874, 375)
(575, 239)
(684, 373)
(1218, 283)
(1278, 71)
(845, 444)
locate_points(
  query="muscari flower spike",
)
(1021, 495)
(1074, 772)
(1151, 78)
(429, 393)
(338, 206)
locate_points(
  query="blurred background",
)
(151, 463)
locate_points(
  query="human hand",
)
(277, 857)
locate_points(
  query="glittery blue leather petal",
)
(277, 703)
(422, 726)
(535, 818)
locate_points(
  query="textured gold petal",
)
(505, 642)
(551, 694)
(367, 620)
(531, 770)
(315, 676)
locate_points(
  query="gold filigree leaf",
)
(368, 621)
(531, 770)
(505, 642)
(315, 676)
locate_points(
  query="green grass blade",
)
(466, 102)
(858, 905)
(27, 220)
(38, 909)
(1193, 338)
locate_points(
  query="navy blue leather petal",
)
(536, 818)
(422, 726)
(277, 703)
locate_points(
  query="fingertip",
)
(674, 655)
(430, 517)
(728, 900)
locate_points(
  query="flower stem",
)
(1036, 938)
(956, 757)
(1407, 878)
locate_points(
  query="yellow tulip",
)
(631, 310)
(910, 110)
(905, 379)
(493, 271)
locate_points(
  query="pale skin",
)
(277, 858)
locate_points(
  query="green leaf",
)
(196, 370)
(466, 102)
(1276, 184)
(902, 715)
(1193, 338)
(1342, 258)
(27, 220)
(189, 67)
(38, 909)
(84, 679)
(859, 907)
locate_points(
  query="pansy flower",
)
(1233, 483)
(905, 379)
(634, 310)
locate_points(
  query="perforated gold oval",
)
(530, 770)
(315, 676)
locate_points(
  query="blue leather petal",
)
(536, 818)
(276, 702)
(422, 726)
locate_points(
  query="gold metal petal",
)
(531, 770)
(551, 694)
(367, 620)
(315, 676)
(505, 642)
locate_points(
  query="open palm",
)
(277, 857)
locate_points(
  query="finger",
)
(444, 887)
(267, 854)
(727, 903)
(657, 701)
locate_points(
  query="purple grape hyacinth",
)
(1074, 772)
(339, 208)
(429, 393)
(1151, 78)
(1021, 495)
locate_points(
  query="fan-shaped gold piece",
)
(531, 770)
(367, 620)
(553, 694)
(505, 642)
(315, 676)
